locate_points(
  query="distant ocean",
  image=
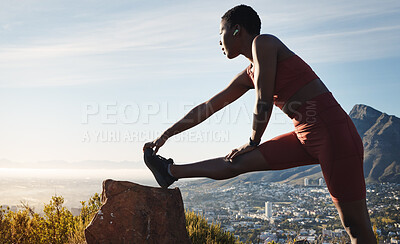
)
(36, 186)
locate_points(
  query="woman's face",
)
(228, 40)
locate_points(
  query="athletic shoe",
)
(159, 167)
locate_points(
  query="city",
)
(260, 212)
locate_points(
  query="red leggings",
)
(324, 134)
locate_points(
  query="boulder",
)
(132, 213)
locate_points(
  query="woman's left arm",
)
(265, 52)
(265, 55)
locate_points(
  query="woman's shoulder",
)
(270, 42)
(266, 41)
(266, 38)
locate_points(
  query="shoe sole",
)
(159, 177)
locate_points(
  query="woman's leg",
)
(220, 168)
(282, 152)
(340, 151)
(355, 220)
(347, 187)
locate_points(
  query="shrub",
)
(201, 232)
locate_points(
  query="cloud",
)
(349, 46)
(99, 46)
(135, 40)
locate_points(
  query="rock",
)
(133, 213)
(363, 117)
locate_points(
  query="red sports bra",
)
(291, 74)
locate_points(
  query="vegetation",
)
(200, 232)
(58, 225)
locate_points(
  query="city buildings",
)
(268, 209)
(283, 212)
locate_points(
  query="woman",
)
(324, 134)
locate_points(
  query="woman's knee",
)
(243, 163)
(239, 165)
(228, 170)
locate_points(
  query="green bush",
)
(201, 232)
(57, 225)
(26, 226)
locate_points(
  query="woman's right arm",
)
(238, 86)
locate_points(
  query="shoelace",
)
(162, 158)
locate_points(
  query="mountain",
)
(381, 138)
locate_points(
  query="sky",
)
(95, 80)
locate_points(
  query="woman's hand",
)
(237, 151)
(157, 143)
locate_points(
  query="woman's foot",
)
(159, 167)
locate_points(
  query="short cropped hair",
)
(245, 16)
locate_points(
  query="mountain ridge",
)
(381, 144)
